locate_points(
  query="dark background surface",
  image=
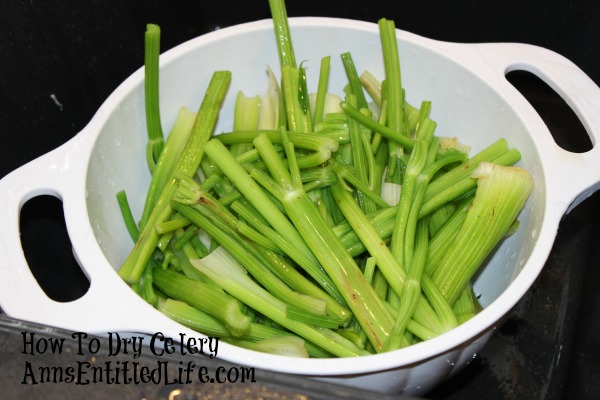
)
(60, 60)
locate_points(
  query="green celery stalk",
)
(319, 109)
(467, 305)
(367, 307)
(248, 256)
(172, 150)
(127, 215)
(394, 93)
(390, 267)
(151, 96)
(187, 165)
(245, 118)
(411, 291)
(296, 100)
(372, 86)
(394, 136)
(207, 298)
(501, 194)
(442, 240)
(270, 212)
(415, 166)
(213, 327)
(362, 156)
(282, 33)
(354, 80)
(222, 268)
(393, 77)
(286, 272)
(320, 147)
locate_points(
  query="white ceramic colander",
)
(471, 99)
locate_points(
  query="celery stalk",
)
(204, 297)
(319, 109)
(269, 211)
(501, 194)
(394, 272)
(231, 276)
(151, 96)
(165, 165)
(343, 270)
(187, 164)
(127, 216)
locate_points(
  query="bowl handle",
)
(576, 175)
(109, 304)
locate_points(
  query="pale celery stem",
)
(412, 288)
(372, 86)
(256, 297)
(389, 265)
(363, 301)
(187, 164)
(464, 185)
(442, 240)
(245, 253)
(255, 195)
(500, 196)
(392, 135)
(415, 165)
(322, 89)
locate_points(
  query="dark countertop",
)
(61, 60)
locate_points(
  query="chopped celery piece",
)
(187, 164)
(500, 196)
(151, 94)
(231, 276)
(204, 297)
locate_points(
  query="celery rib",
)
(187, 164)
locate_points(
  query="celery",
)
(295, 98)
(246, 185)
(393, 77)
(127, 215)
(393, 135)
(389, 266)
(245, 118)
(459, 181)
(167, 161)
(200, 321)
(394, 95)
(151, 86)
(246, 254)
(354, 81)
(282, 33)
(290, 346)
(204, 297)
(467, 305)
(319, 109)
(187, 164)
(281, 235)
(442, 240)
(372, 86)
(411, 290)
(224, 270)
(270, 115)
(361, 298)
(501, 194)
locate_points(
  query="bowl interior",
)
(463, 105)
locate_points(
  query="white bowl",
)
(471, 99)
